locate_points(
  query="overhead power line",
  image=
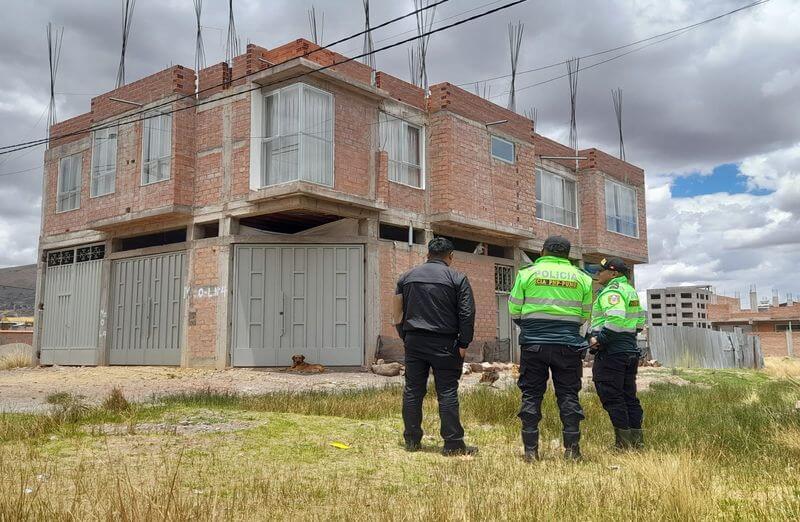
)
(4, 148)
(620, 47)
(301, 75)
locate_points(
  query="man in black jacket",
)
(438, 321)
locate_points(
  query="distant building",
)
(776, 324)
(679, 306)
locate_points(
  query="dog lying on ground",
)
(300, 365)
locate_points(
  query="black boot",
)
(530, 440)
(458, 448)
(413, 445)
(637, 438)
(622, 438)
(572, 448)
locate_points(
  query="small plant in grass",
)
(68, 407)
(116, 401)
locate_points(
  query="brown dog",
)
(300, 365)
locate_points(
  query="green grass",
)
(727, 447)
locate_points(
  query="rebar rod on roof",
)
(573, 66)
(127, 20)
(616, 95)
(316, 28)
(532, 114)
(482, 89)
(515, 43)
(232, 43)
(425, 19)
(54, 38)
(199, 52)
(369, 46)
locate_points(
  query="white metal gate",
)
(305, 299)
(71, 327)
(147, 305)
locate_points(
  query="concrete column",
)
(789, 342)
(372, 289)
(228, 226)
(38, 313)
(104, 341)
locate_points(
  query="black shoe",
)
(637, 438)
(531, 455)
(572, 448)
(622, 439)
(459, 451)
(412, 446)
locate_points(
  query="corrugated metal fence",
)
(703, 348)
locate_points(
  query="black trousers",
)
(423, 353)
(566, 365)
(614, 378)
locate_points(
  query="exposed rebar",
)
(54, 38)
(515, 43)
(127, 20)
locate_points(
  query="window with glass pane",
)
(556, 199)
(621, 214)
(297, 141)
(156, 147)
(104, 161)
(502, 149)
(402, 142)
(69, 183)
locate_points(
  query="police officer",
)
(616, 318)
(438, 321)
(550, 300)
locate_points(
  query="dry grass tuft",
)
(15, 360)
(782, 367)
(116, 401)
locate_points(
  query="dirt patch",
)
(201, 422)
(25, 389)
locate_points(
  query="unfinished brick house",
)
(272, 214)
(776, 324)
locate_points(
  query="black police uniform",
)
(438, 319)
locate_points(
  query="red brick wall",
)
(465, 179)
(70, 127)
(396, 258)
(214, 79)
(175, 80)
(448, 97)
(16, 336)
(202, 335)
(129, 195)
(396, 195)
(401, 90)
(773, 344)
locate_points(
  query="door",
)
(147, 306)
(71, 327)
(299, 299)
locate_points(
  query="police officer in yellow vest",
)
(550, 300)
(616, 319)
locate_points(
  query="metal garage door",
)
(71, 315)
(147, 305)
(305, 299)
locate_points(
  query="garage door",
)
(147, 304)
(305, 299)
(71, 315)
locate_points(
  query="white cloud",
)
(783, 82)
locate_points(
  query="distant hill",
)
(18, 288)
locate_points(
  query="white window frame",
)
(385, 118)
(635, 206)
(78, 157)
(537, 176)
(111, 171)
(159, 160)
(513, 149)
(257, 102)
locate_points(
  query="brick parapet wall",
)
(16, 336)
(401, 90)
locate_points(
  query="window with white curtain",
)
(621, 213)
(104, 161)
(403, 143)
(502, 149)
(297, 136)
(556, 198)
(156, 147)
(69, 183)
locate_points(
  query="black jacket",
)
(437, 300)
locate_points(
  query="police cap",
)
(615, 263)
(557, 245)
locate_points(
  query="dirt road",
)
(25, 389)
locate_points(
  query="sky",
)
(711, 114)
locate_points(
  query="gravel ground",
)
(25, 389)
